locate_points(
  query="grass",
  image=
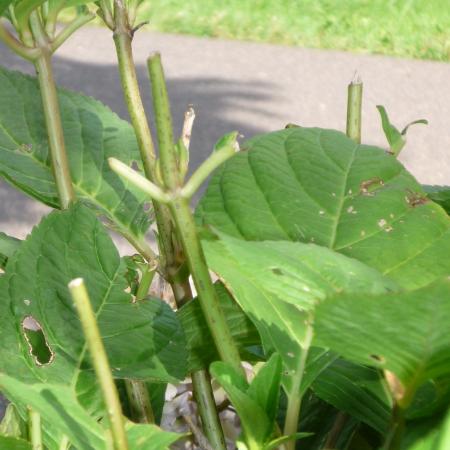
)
(409, 28)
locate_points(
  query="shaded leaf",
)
(439, 195)
(404, 333)
(92, 132)
(357, 390)
(200, 351)
(314, 185)
(143, 340)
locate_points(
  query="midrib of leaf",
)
(343, 196)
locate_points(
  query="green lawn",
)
(411, 28)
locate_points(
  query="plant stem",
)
(139, 398)
(35, 430)
(294, 397)
(354, 103)
(60, 164)
(170, 252)
(207, 407)
(69, 29)
(100, 362)
(64, 444)
(205, 170)
(15, 45)
(184, 221)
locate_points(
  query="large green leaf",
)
(200, 351)
(278, 284)
(58, 405)
(404, 333)
(315, 185)
(93, 134)
(143, 340)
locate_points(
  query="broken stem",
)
(354, 104)
(100, 362)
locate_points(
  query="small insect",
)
(366, 187)
(415, 199)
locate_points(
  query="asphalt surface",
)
(255, 88)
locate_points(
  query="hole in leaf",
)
(378, 358)
(277, 271)
(37, 342)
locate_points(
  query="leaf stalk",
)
(354, 105)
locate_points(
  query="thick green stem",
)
(207, 295)
(140, 405)
(100, 362)
(354, 103)
(170, 253)
(207, 407)
(122, 40)
(35, 430)
(60, 163)
(294, 396)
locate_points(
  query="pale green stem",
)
(146, 281)
(29, 53)
(294, 397)
(354, 103)
(100, 362)
(70, 29)
(35, 430)
(151, 189)
(60, 163)
(206, 169)
(107, 13)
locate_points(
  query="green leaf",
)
(8, 246)
(357, 390)
(10, 443)
(439, 195)
(314, 185)
(395, 138)
(198, 336)
(150, 437)
(265, 387)
(92, 133)
(278, 285)
(143, 340)
(404, 333)
(12, 424)
(4, 5)
(59, 406)
(256, 425)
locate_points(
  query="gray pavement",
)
(256, 88)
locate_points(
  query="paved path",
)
(256, 88)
